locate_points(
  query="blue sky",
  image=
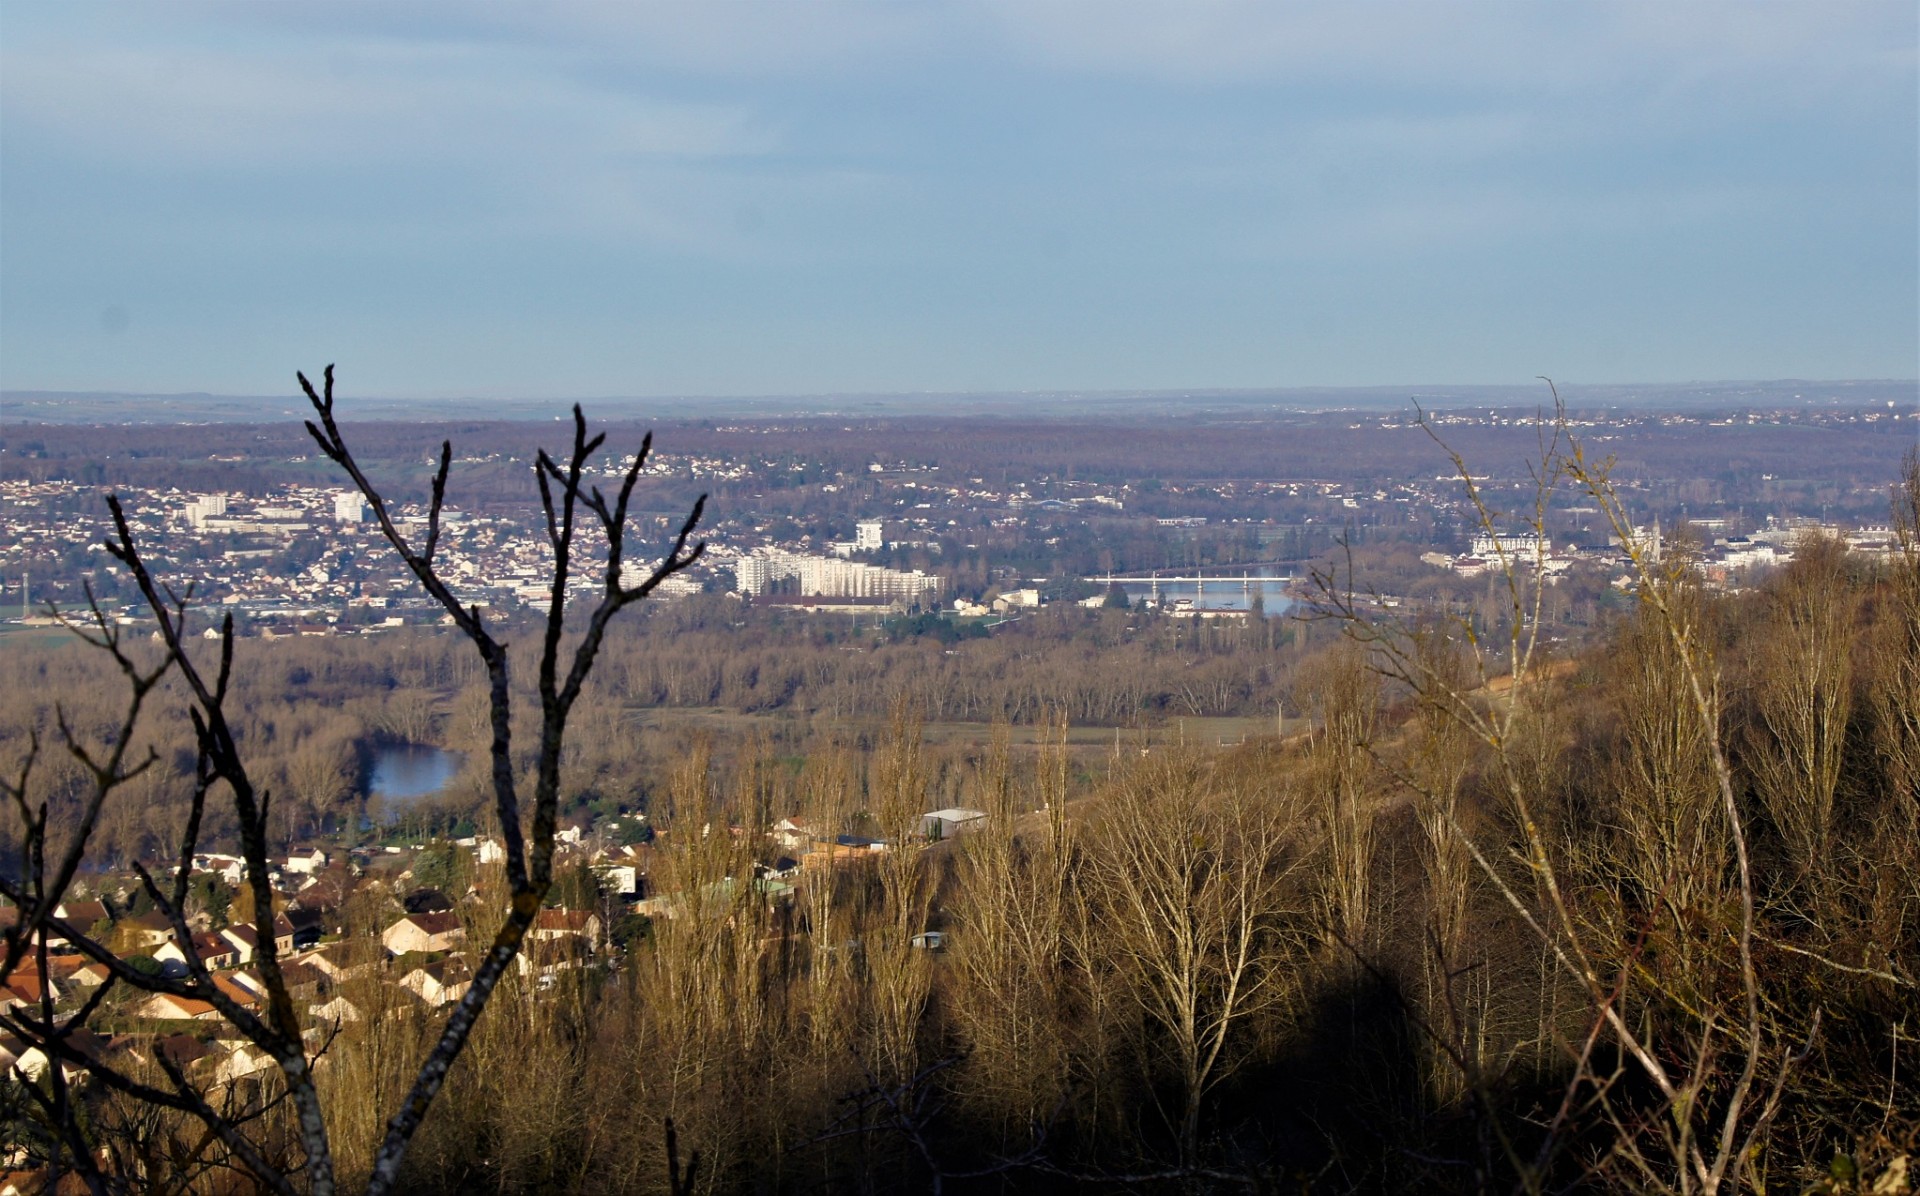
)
(589, 200)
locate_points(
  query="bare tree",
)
(1188, 888)
(571, 505)
(1674, 844)
(1803, 688)
(1719, 1073)
(1895, 691)
(1011, 949)
(1343, 697)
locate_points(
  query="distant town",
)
(902, 531)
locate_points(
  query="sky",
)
(580, 200)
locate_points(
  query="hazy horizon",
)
(29, 406)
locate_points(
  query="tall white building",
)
(869, 536)
(347, 507)
(829, 577)
(207, 506)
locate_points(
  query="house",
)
(793, 834)
(83, 915)
(618, 880)
(297, 929)
(25, 988)
(423, 932)
(166, 1007)
(490, 851)
(240, 1061)
(90, 975)
(324, 891)
(182, 1050)
(551, 924)
(439, 983)
(303, 980)
(214, 952)
(426, 901)
(142, 931)
(247, 997)
(548, 959)
(306, 863)
(31, 1061)
(783, 868)
(230, 868)
(945, 824)
(331, 962)
(245, 940)
(337, 1012)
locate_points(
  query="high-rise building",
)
(829, 577)
(869, 536)
(207, 506)
(347, 507)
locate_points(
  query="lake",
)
(1226, 593)
(409, 772)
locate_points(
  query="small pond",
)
(410, 771)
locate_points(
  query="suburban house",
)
(184, 1051)
(423, 932)
(230, 868)
(247, 996)
(241, 1060)
(25, 988)
(297, 929)
(439, 983)
(337, 1011)
(620, 880)
(793, 834)
(214, 952)
(31, 1061)
(784, 868)
(331, 961)
(565, 923)
(548, 959)
(306, 862)
(166, 1007)
(142, 931)
(81, 915)
(426, 901)
(245, 940)
(90, 975)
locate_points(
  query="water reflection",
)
(1216, 592)
(410, 771)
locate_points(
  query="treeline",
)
(315, 709)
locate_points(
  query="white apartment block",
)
(347, 507)
(829, 577)
(207, 506)
(869, 536)
(1525, 545)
